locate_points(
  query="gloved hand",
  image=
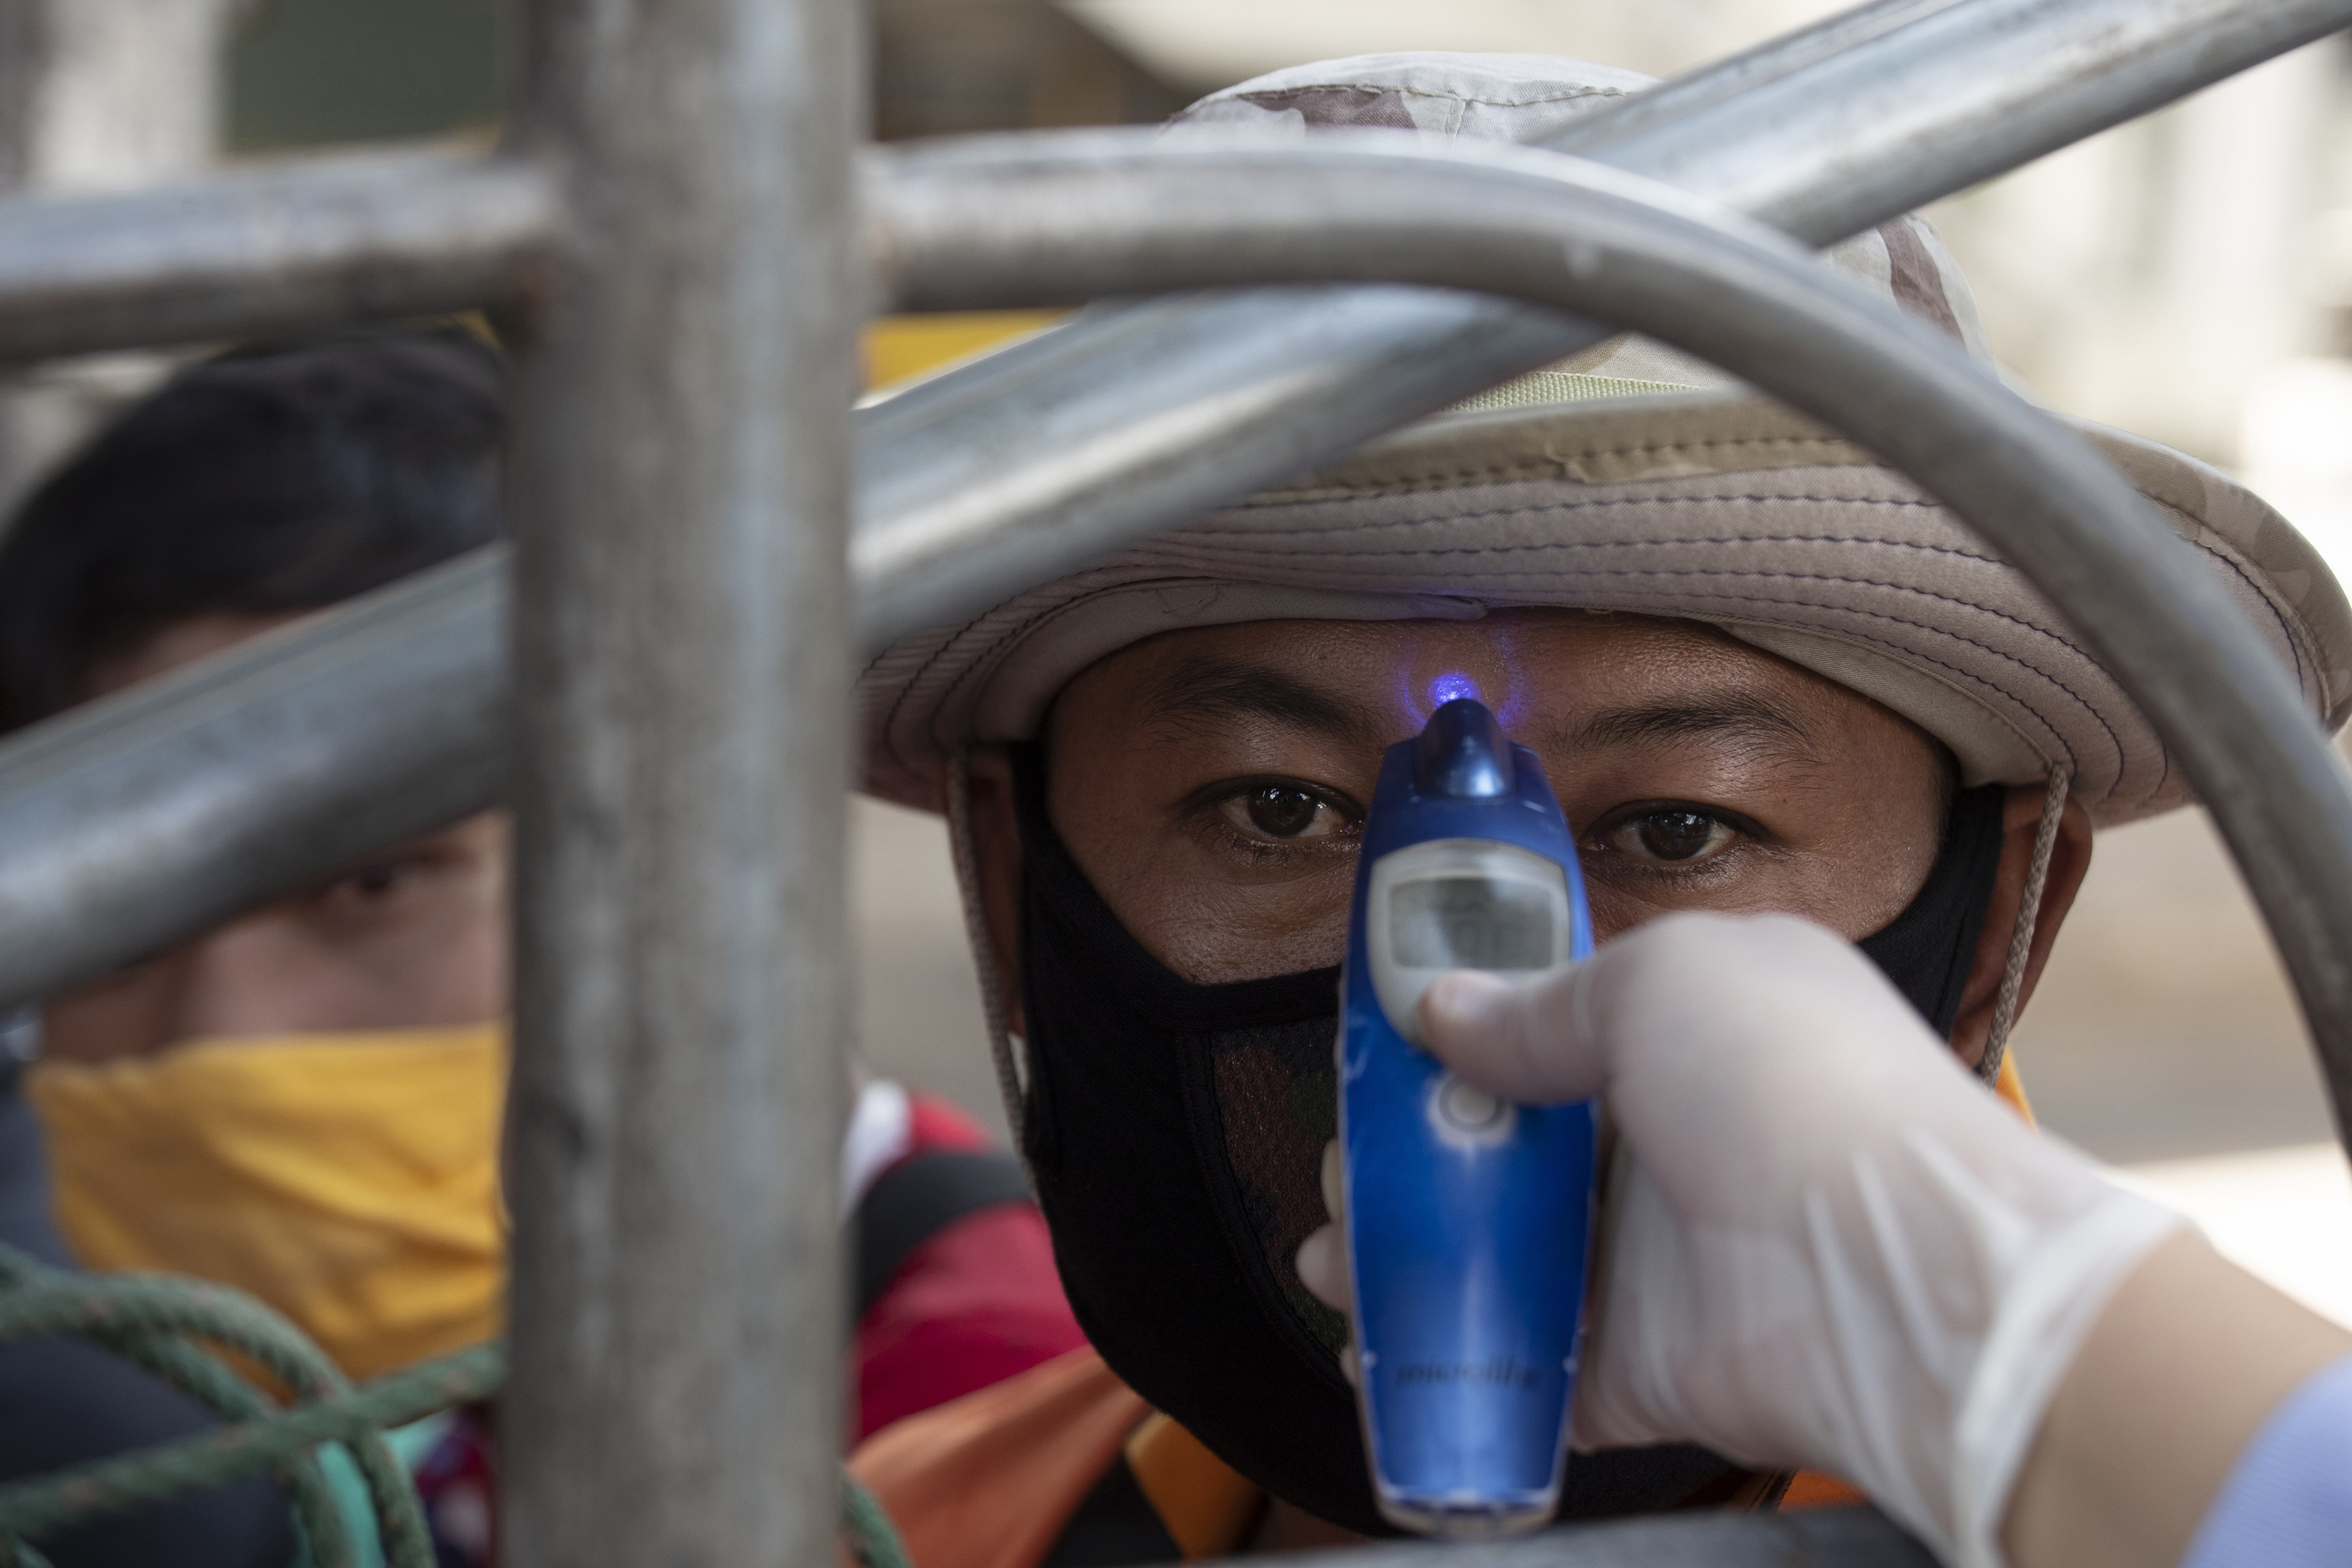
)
(1827, 1244)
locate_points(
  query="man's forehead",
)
(1537, 668)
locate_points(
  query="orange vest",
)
(989, 1480)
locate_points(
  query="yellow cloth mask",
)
(349, 1180)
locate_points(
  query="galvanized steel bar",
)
(1951, 99)
(269, 250)
(1005, 221)
(172, 805)
(1711, 85)
(970, 485)
(1822, 146)
(681, 476)
(377, 234)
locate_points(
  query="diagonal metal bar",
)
(241, 775)
(1709, 87)
(1022, 221)
(1106, 427)
(125, 826)
(269, 250)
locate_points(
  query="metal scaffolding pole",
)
(272, 249)
(681, 640)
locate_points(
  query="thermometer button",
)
(1465, 1117)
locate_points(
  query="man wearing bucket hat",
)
(1764, 673)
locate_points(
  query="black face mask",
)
(1927, 950)
(1175, 1133)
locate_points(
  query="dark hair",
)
(278, 478)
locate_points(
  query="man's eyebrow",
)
(1756, 721)
(1215, 691)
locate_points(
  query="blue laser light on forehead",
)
(1422, 698)
(1451, 686)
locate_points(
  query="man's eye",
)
(1279, 811)
(373, 882)
(1672, 836)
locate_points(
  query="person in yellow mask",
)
(304, 1101)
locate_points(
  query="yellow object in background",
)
(900, 348)
(2011, 1088)
(1206, 1506)
(351, 1180)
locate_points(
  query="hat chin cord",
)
(1010, 1079)
(2020, 937)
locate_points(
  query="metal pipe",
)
(1710, 85)
(269, 250)
(1026, 221)
(956, 513)
(1824, 146)
(971, 487)
(2021, 78)
(159, 811)
(681, 638)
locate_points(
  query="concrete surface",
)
(2164, 1027)
(918, 1012)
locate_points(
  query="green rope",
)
(324, 1528)
(111, 1308)
(196, 1464)
(163, 1322)
(873, 1539)
(198, 1372)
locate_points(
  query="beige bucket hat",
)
(1634, 478)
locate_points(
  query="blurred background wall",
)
(2188, 276)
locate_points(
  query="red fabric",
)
(458, 1486)
(977, 1303)
(933, 1123)
(990, 1480)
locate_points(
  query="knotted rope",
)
(173, 1326)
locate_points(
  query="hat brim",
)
(1718, 506)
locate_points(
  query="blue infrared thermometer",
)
(1469, 1219)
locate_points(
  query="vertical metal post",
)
(681, 637)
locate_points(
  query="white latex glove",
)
(1830, 1246)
